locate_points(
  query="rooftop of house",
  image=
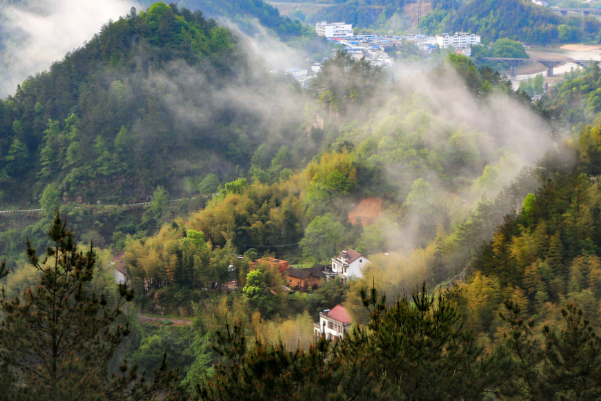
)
(119, 263)
(349, 256)
(340, 314)
(316, 270)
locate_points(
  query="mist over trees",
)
(166, 148)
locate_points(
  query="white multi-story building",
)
(460, 39)
(332, 323)
(297, 73)
(334, 29)
(348, 264)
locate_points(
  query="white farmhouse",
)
(348, 264)
(334, 29)
(332, 323)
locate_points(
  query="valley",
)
(235, 200)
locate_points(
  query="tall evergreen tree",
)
(56, 340)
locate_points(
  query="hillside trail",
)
(155, 319)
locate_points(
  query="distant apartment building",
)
(297, 73)
(334, 29)
(459, 40)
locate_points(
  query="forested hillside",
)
(456, 187)
(114, 119)
(512, 19)
(376, 14)
(575, 101)
(242, 11)
(426, 167)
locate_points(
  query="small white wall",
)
(330, 333)
(119, 277)
(354, 269)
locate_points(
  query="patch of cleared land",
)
(367, 210)
(579, 47)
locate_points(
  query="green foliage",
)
(529, 203)
(333, 292)
(342, 81)
(260, 215)
(508, 48)
(387, 346)
(113, 137)
(480, 80)
(255, 285)
(235, 187)
(16, 158)
(50, 200)
(196, 239)
(209, 185)
(322, 238)
(521, 21)
(243, 12)
(532, 86)
(159, 201)
(58, 339)
(252, 254)
(270, 371)
(172, 268)
(565, 366)
(575, 101)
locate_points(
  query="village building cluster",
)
(373, 47)
(346, 265)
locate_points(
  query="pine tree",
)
(57, 339)
(16, 159)
(573, 368)
(270, 371)
(566, 366)
(424, 349)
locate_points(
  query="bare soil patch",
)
(582, 48)
(367, 210)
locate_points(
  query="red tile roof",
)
(349, 256)
(340, 314)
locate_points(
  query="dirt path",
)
(155, 319)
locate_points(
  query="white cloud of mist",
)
(67, 24)
(266, 47)
(39, 36)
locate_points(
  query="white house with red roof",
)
(348, 264)
(333, 323)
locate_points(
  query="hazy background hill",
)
(148, 99)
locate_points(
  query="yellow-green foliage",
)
(260, 214)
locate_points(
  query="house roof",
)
(349, 256)
(119, 263)
(316, 270)
(340, 314)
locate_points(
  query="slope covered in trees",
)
(115, 117)
(513, 19)
(241, 11)
(129, 111)
(427, 168)
(576, 101)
